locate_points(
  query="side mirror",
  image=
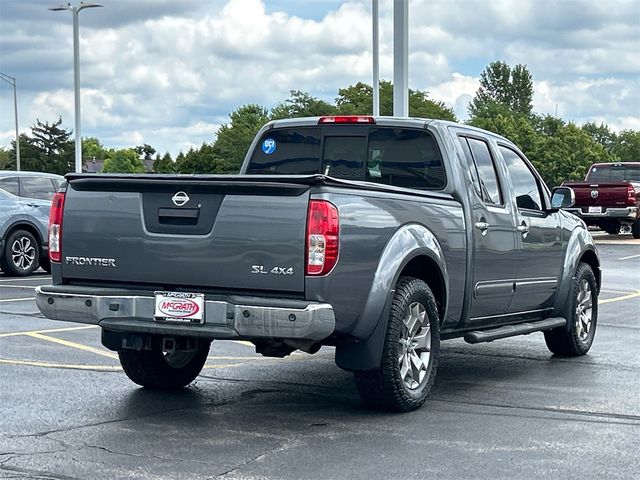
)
(562, 197)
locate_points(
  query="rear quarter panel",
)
(370, 223)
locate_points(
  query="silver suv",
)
(25, 201)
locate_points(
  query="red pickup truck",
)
(609, 198)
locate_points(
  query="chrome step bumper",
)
(114, 310)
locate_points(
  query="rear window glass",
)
(287, 151)
(394, 156)
(615, 172)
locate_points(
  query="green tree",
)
(201, 160)
(301, 104)
(6, 162)
(48, 149)
(601, 133)
(626, 147)
(358, 100)
(125, 160)
(503, 90)
(164, 164)
(93, 149)
(565, 151)
(145, 152)
(234, 138)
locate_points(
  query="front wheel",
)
(410, 351)
(577, 337)
(163, 370)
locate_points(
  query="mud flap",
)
(367, 354)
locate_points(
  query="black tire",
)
(612, 229)
(386, 387)
(635, 229)
(156, 369)
(573, 340)
(45, 264)
(21, 254)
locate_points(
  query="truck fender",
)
(580, 247)
(409, 241)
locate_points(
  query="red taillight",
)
(323, 230)
(347, 119)
(55, 227)
(631, 195)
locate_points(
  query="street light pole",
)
(376, 58)
(12, 81)
(75, 10)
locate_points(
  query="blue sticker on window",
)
(269, 146)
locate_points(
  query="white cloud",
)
(168, 73)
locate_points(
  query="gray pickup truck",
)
(379, 236)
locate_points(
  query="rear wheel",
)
(45, 264)
(21, 254)
(158, 369)
(612, 229)
(576, 339)
(410, 351)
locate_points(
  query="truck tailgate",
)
(607, 194)
(211, 232)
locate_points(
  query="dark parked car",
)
(25, 201)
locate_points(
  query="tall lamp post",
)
(12, 81)
(75, 10)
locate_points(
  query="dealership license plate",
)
(179, 307)
(595, 209)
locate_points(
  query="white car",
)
(25, 201)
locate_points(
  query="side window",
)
(471, 166)
(37, 187)
(525, 185)
(487, 174)
(9, 184)
(405, 158)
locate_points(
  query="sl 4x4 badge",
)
(261, 270)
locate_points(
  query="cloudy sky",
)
(168, 72)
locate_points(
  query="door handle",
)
(482, 226)
(523, 228)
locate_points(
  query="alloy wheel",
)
(23, 253)
(415, 346)
(584, 310)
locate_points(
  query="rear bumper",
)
(231, 317)
(624, 213)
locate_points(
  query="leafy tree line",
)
(560, 150)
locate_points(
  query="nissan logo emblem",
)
(180, 198)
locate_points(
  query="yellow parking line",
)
(618, 299)
(243, 342)
(15, 299)
(52, 330)
(66, 343)
(627, 292)
(59, 365)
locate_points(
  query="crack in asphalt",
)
(565, 413)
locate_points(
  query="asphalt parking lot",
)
(502, 410)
